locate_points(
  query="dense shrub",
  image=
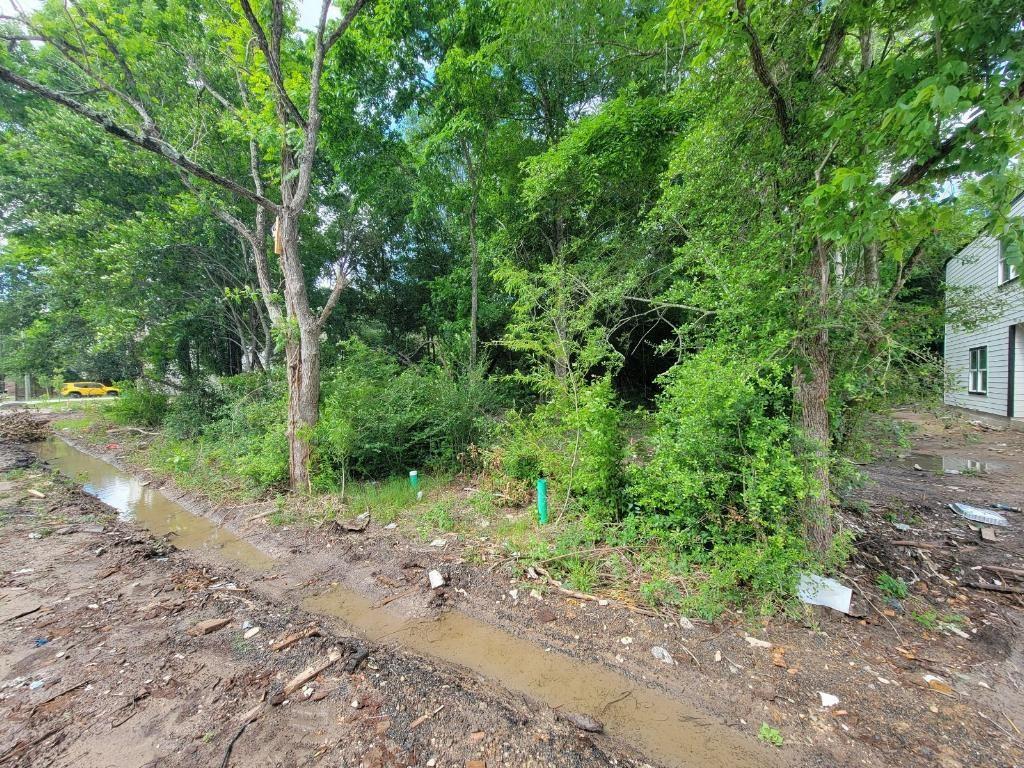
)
(198, 404)
(139, 405)
(724, 462)
(379, 418)
(574, 439)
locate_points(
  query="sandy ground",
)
(932, 679)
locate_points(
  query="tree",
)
(831, 137)
(83, 37)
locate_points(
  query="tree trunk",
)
(303, 356)
(811, 384)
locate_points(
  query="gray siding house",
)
(985, 366)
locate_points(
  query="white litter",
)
(979, 515)
(827, 699)
(818, 590)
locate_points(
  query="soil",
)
(931, 679)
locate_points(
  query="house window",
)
(978, 384)
(1007, 271)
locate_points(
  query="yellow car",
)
(88, 389)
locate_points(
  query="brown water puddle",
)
(147, 507)
(663, 728)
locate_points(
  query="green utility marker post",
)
(414, 479)
(542, 500)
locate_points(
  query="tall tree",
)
(85, 36)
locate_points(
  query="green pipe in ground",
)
(414, 479)
(542, 500)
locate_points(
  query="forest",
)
(677, 257)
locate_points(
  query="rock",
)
(438, 543)
(251, 632)
(827, 699)
(754, 642)
(514, 594)
(662, 655)
(536, 595)
(355, 525)
(583, 722)
(436, 579)
(686, 624)
(208, 626)
(626, 640)
(545, 615)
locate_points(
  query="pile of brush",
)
(22, 426)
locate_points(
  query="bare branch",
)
(340, 283)
(148, 142)
(273, 63)
(339, 30)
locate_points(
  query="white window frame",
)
(1007, 272)
(977, 370)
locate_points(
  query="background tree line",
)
(537, 216)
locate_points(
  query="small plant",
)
(928, 619)
(437, 518)
(770, 735)
(892, 587)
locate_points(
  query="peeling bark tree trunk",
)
(811, 384)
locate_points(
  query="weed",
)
(770, 735)
(437, 518)
(891, 587)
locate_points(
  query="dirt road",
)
(934, 678)
(104, 662)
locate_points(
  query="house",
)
(985, 365)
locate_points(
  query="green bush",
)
(575, 440)
(379, 418)
(198, 405)
(724, 463)
(138, 405)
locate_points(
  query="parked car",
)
(88, 389)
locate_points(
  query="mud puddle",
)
(664, 729)
(661, 727)
(147, 507)
(953, 465)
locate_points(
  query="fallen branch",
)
(423, 718)
(995, 588)
(115, 430)
(1006, 571)
(310, 672)
(918, 544)
(292, 639)
(247, 718)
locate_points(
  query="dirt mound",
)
(23, 427)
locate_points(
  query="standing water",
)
(662, 727)
(147, 507)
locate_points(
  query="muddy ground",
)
(102, 663)
(931, 679)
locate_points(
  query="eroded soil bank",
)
(914, 688)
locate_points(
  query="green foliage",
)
(770, 735)
(892, 587)
(379, 418)
(724, 463)
(139, 405)
(195, 407)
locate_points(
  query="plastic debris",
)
(978, 514)
(1005, 507)
(662, 655)
(901, 526)
(818, 590)
(41, 641)
(36, 685)
(827, 699)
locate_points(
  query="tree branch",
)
(340, 283)
(762, 72)
(833, 43)
(273, 64)
(149, 143)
